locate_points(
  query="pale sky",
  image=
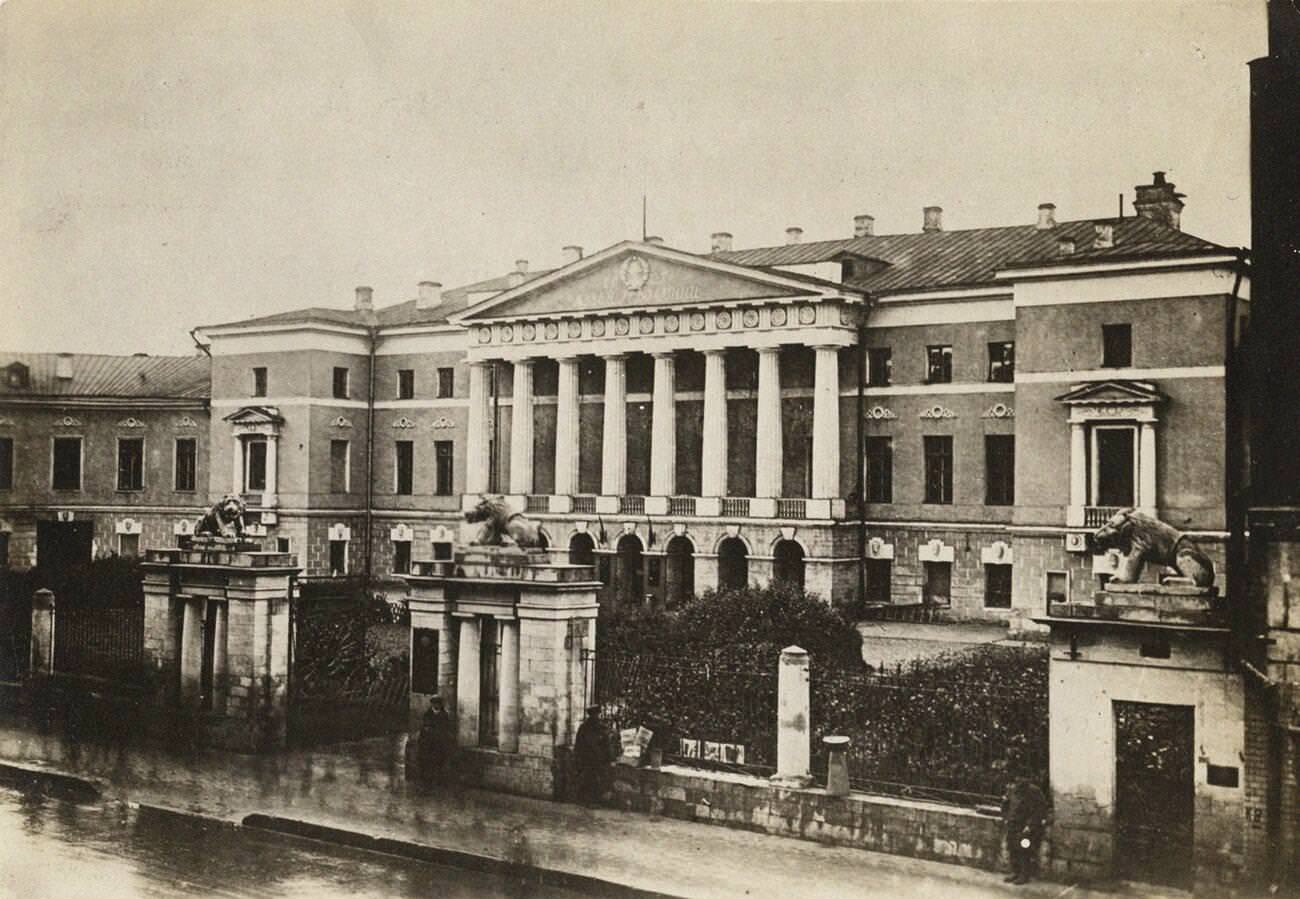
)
(168, 164)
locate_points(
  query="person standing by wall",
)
(1024, 815)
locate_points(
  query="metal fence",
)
(106, 643)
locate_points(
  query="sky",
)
(174, 163)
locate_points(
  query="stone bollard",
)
(837, 765)
(42, 658)
(793, 740)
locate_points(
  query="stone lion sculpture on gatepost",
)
(224, 519)
(1145, 540)
(502, 526)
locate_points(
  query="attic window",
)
(16, 376)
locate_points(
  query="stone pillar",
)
(793, 708)
(477, 464)
(1078, 474)
(237, 465)
(837, 765)
(1147, 468)
(467, 681)
(191, 648)
(269, 496)
(220, 638)
(521, 430)
(508, 715)
(663, 439)
(42, 648)
(769, 439)
(826, 424)
(614, 446)
(566, 429)
(713, 467)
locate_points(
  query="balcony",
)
(1095, 516)
(735, 506)
(632, 505)
(681, 505)
(584, 505)
(791, 508)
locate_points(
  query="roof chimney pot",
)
(1159, 201)
(720, 242)
(793, 235)
(655, 240)
(1046, 216)
(521, 266)
(864, 226)
(1105, 237)
(365, 299)
(430, 295)
(572, 253)
(933, 218)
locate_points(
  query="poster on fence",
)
(634, 741)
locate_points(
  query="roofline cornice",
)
(106, 402)
(1083, 268)
(235, 329)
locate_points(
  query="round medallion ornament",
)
(846, 315)
(575, 328)
(671, 323)
(807, 315)
(645, 324)
(528, 331)
(634, 273)
(507, 333)
(552, 330)
(598, 327)
(750, 318)
(697, 321)
(779, 317)
(723, 319)
(484, 335)
(622, 326)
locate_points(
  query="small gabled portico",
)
(255, 472)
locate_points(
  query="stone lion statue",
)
(1143, 539)
(224, 519)
(501, 526)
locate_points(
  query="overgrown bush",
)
(109, 582)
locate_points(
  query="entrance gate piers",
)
(216, 638)
(499, 633)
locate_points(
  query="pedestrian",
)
(591, 757)
(436, 743)
(1024, 814)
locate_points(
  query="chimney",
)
(655, 240)
(517, 277)
(1065, 246)
(863, 226)
(793, 235)
(933, 218)
(1105, 237)
(430, 295)
(1159, 201)
(1046, 216)
(572, 253)
(63, 367)
(721, 242)
(521, 266)
(365, 299)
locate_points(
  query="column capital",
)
(664, 354)
(613, 357)
(713, 351)
(767, 350)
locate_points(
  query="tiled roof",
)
(173, 377)
(938, 259)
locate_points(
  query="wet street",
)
(58, 847)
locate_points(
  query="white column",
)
(663, 437)
(826, 424)
(219, 661)
(1147, 468)
(521, 430)
(1094, 474)
(191, 649)
(793, 737)
(614, 445)
(566, 429)
(237, 466)
(272, 470)
(476, 436)
(467, 682)
(508, 687)
(713, 467)
(1078, 474)
(769, 448)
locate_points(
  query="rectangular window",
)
(66, 474)
(446, 383)
(1058, 586)
(880, 366)
(340, 457)
(938, 364)
(338, 558)
(4, 550)
(1002, 362)
(406, 384)
(340, 383)
(128, 545)
(879, 574)
(937, 589)
(254, 466)
(1114, 465)
(405, 465)
(259, 381)
(880, 469)
(938, 469)
(442, 456)
(1116, 346)
(442, 551)
(186, 464)
(282, 544)
(402, 557)
(130, 463)
(997, 586)
(999, 469)
(6, 463)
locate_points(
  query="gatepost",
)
(793, 713)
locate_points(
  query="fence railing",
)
(98, 642)
(681, 505)
(791, 508)
(584, 505)
(735, 505)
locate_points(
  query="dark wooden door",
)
(1154, 793)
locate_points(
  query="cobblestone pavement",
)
(360, 787)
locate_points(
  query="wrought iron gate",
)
(1154, 792)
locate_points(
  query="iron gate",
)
(1154, 792)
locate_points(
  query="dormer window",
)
(17, 376)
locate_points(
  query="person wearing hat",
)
(591, 757)
(1024, 814)
(436, 744)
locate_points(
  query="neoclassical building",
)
(932, 417)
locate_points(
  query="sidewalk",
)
(360, 787)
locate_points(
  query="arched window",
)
(629, 575)
(582, 550)
(733, 564)
(788, 563)
(679, 578)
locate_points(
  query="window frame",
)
(945, 368)
(347, 466)
(1002, 370)
(880, 360)
(130, 488)
(989, 569)
(338, 572)
(438, 471)
(873, 587)
(341, 391)
(8, 471)
(446, 382)
(122, 552)
(886, 494)
(1047, 583)
(1115, 328)
(398, 446)
(1009, 480)
(81, 461)
(261, 381)
(176, 465)
(247, 450)
(947, 475)
(406, 383)
(926, 595)
(398, 546)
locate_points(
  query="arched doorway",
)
(788, 564)
(629, 576)
(733, 564)
(582, 549)
(679, 577)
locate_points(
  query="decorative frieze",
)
(402, 533)
(935, 551)
(1000, 410)
(128, 526)
(186, 423)
(403, 424)
(67, 421)
(938, 413)
(443, 423)
(879, 549)
(340, 422)
(340, 531)
(130, 422)
(996, 553)
(880, 413)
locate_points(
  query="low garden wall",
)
(926, 830)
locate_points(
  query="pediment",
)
(1113, 393)
(635, 275)
(255, 415)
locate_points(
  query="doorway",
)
(489, 687)
(733, 564)
(629, 575)
(1154, 792)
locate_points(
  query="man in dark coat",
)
(436, 744)
(1024, 814)
(591, 757)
